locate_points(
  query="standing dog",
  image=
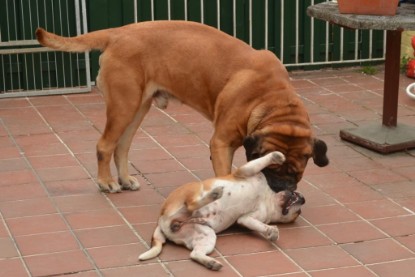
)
(246, 93)
(195, 212)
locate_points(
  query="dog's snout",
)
(291, 186)
(279, 183)
(290, 183)
(301, 198)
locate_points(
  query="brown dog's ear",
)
(320, 153)
(250, 144)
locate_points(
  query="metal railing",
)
(279, 18)
(280, 26)
(27, 69)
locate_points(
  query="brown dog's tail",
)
(156, 245)
(95, 40)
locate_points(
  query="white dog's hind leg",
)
(204, 200)
(203, 244)
(255, 166)
(269, 232)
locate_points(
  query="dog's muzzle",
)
(292, 199)
(279, 183)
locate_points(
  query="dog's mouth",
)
(292, 199)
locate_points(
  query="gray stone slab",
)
(329, 11)
(380, 138)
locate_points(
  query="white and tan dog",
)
(193, 213)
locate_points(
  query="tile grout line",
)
(394, 261)
(106, 197)
(82, 248)
(170, 154)
(159, 145)
(387, 236)
(330, 92)
(343, 267)
(186, 128)
(1, 214)
(311, 225)
(166, 150)
(332, 240)
(411, 213)
(129, 225)
(49, 197)
(188, 170)
(291, 259)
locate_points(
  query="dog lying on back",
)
(193, 213)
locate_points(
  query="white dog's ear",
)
(320, 153)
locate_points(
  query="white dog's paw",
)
(214, 265)
(277, 157)
(216, 193)
(272, 233)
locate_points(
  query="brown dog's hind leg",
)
(121, 111)
(127, 181)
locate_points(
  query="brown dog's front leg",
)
(222, 155)
(125, 180)
(120, 114)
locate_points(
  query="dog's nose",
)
(291, 185)
(301, 199)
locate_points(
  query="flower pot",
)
(368, 7)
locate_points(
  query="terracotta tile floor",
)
(359, 219)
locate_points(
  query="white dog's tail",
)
(156, 245)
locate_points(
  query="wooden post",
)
(392, 72)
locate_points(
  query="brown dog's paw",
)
(130, 184)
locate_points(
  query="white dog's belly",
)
(237, 200)
(215, 217)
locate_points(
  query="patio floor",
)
(359, 219)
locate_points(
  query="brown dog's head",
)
(297, 151)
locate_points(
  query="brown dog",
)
(245, 92)
(193, 213)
